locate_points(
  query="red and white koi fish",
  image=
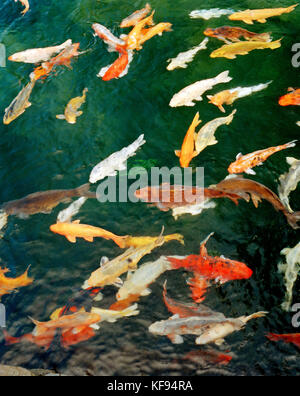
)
(114, 43)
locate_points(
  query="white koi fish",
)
(208, 14)
(65, 216)
(193, 210)
(194, 92)
(289, 181)
(111, 316)
(115, 162)
(183, 58)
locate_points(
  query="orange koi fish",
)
(234, 34)
(291, 99)
(245, 163)
(114, 43)
(76, 230)
(136, 17)
(147, 34)
(293, 338)
(134, 37)
(7, 285)
(219, 269)
(187, 152)
(117, 68)
(43, 341)
(210, 356)
(223, 97)
(73, 337)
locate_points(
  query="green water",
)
(39, 152)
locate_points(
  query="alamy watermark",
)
(296, 57)
(161, 185)
(296, 317)
(2, 55)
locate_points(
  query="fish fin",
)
(175, 338)
(89, 238)
(291, 161)
(178, 153)
(203, 250)
(78, 113)
(118, 282)
(71, 238)
(99, 297)
(291, 144)
(262, 20)
(255, 199)
(94, 326)
(195, 153)
(146, 292)
(28, 104)
(60, 117)
(222, 109)
(76, 221)
(248, 21)
(250, 172)
(220, 341)
(239, 156)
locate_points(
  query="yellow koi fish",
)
(137, 242)
(261, 16)
(71, 112)
(230, 51)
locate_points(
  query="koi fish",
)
(208, 356)
(187, 152)
(291, 99)
(290, 270)
(184, 310)
(3, 219)
(19, 104)
(37, 55)
(134, 37)
(257, 192)
(216, 332)
(71, 112)
(142, 240)
(209, 329)
(77, 320)
(136, 17)
(43, 341)
(293, 338)
(119, 68)
(289, 181)
(138, 282)
(7, 285)
(123, 304)
(65, 57)
(76, 230)
(73, 336)
(261, 15)
(231, 95)
(245, 163)
(226, 33)
(219, 269)
(158, 29)
(166, 197)
(65, 216)
(115, 162)
(183, 58)
(194, 92)
(208, 14)
(114, 43)
(109, 271)
(206, 136)
(111, 316)
(44, 201)
(25, 4)
(230, 51)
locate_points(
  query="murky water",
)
(39, 152)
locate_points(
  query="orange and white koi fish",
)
(37, 55)
(64, 57)
(261, 15)
(136, 17)
(114, 43)
(25, 4)
(119, 68)
(293, 338)
(76, 230)
(7, 285)
(245, 163)
(134, 37)
(188, 152)
(290, 99)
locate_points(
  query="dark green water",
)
(39, 152)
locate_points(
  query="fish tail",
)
(34, 321)
(175, 237)
(256, 315)
(84, 191)
(293, 219)
(264, 37)
(130, 311)
(290, 144)
(273, 337)
(9, 340)
(291, 8)
(223, 77)
(275, 44)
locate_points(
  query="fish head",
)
(56, 228)
(15, 58)
(158, 328)
(285, 100)
(226, 270)
(210, 32)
